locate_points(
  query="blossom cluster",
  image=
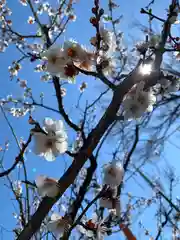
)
(66, 61)
(138, 101)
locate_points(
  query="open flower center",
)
(141, 99)
(90, 224)
(134, 108)
(53, 59)
(105, 64)
(112, 172)
(72, 52)
(49, 143)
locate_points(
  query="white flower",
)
(17, 187)
(113, 174)
(13, 71)
(132, 109)
(35, 47)
(78, 54)
(55, 60)
(177, 55)
(137, 102)
(31, 20)
(23, 2)
(108, 65)
(98, 228)
(57, 225)
(19, 112)
(39, 68)
(82, 230)
(46, 6)
(101, 231)
(47, 186)
(108, 39)
(68, 72)
(111, 204)
(3, 45)
(53, 143)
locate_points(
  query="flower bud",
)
(101, 12)
(94, 10)
(93, 21)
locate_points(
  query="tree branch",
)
(82, 191)
(18, 159)
(57, 87)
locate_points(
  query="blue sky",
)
(81, 31)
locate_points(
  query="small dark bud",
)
(142, 11)
(93, 21)
(101, 12)
(94, 10)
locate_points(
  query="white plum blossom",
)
(108, 39)
(23, 2)
(46, 6)
(19, 112)
(17, 187)
(3, 45)
(47, 186)
(53, 143)
(177, 55)
(74, 51)
(68, 72)
(85, 232)
(111, 204)
(113, 174)
(57, 225)
(101, 230)
(12, 71)
(98, 228)
(55, 60)
(31, 20)
(35, 48)
(138, 101)
(78, 54)
(108, 64)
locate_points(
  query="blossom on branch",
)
(113, 174)
(138, 101)
(108, 40)
(52, 142)
(80, 56)
(17, 187)
(55, 60)
(57, 225)
(47, 186)
(111, 204)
